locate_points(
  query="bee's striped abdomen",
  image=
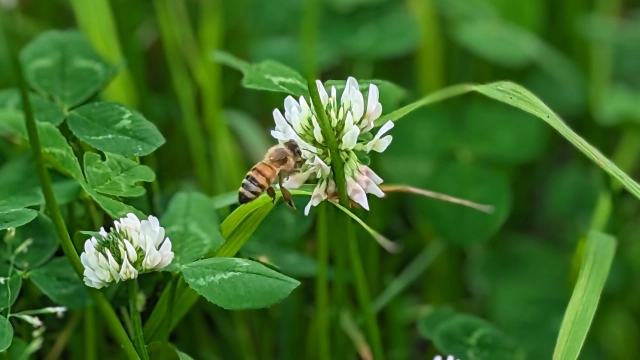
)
(255, 183)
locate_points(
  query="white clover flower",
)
(133, 247)
(351, 120)
(450, 357)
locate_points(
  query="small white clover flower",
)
(133, 247)
(351, 120)
(450, 357)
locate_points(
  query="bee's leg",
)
(272, 193)
(286, 195)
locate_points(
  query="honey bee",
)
(279, 162)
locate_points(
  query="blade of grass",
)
(597, 259)
(95, 19)
(416, 267)
(186, 94)
(521, 98)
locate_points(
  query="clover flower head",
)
(130, 248)
(450, 357)
(352, 119)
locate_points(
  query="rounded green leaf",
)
(61, 284)
(191, 222)
(502, 133)
(116, 175)
(460, 224)
(237, 284)
(63, 65)
(428, 324)
(6, 333)
(9, 289)
(41, 235)
(114, 128)
(16, 217)
(468, 337)
(43, 109)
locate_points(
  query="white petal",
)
(166, 253)
(296, 180)
(281, 123)
(317, 131)
(322, 169)
(350, 139)
(128, 272)
(370, 174)
(380, 145)
(103, 233)
(319, 194)
(324, 97)
(357, 193)
(386, 127)
(131, 252)
(357, 104)
(152, 258)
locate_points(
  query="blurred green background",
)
(515, 268)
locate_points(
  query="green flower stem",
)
(354, 252)
(90, 336)
(61, 230)
(363, 291)
(136, 322)
(322, 285)
(327, 132)
(430, 51)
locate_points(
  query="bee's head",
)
(292, 145)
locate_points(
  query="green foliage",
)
(44, 110)
(459, 224)
(597, 258)
(235, 284)
(191, 222)
(16, 217)
(467, 337)
(114, 128)
(54, 145)
(10, 287)
(62, 64)
(57, 280)
(42, 243)
(267, 75)
(6, 333)
(117, 175)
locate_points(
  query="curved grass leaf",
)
(6, 333)
(597, 259)
(63, 65)
(16, 217)
(60, 283)
(117, 175)
(43, 109)
(236, 284)
(268, 75)
(191, 222)
(114, 128)
(519, 97)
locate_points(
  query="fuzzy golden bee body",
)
(279, 162)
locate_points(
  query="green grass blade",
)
(521, 98)
(597, 259)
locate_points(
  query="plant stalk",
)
(61, 230)
(322, 285)
(137, 335)
(354, 252)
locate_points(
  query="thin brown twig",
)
(432, 194)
